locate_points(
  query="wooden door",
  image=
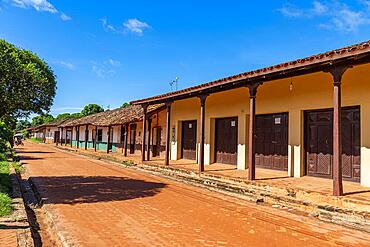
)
(226, 140)
(156, 142)
(132, 138)
(271, 140)
(110, 139)
(56, 136)
(189, 140)
(319, 143)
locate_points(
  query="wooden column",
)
(122, 138)
(126, 140)
(108, 142)
(149, 136)
(143, 138)
(337, 74)
(95, 137)
(202, 130)
(86, 135)
(61, 136)
(70, 141)
(168, 134)
(251, 132)
(78, 136)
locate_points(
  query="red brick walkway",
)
(98, 204)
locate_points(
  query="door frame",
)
(287, 146)
(305, 136)
(182, 138)
(215, 138)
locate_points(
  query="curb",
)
(19, 215)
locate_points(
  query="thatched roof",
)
(117, 116)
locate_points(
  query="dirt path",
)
(98, 204)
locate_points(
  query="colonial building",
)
(307, 117)
(118, 130)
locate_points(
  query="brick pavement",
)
(94, 203)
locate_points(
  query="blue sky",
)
(110, 52)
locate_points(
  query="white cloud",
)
(290, 10)
(66, 65)
(39, 5)
(136, 26)
(319, 8)
(65, 17)
(131, 25)
(107, 27)
(113, 62)
(335, 14)
(102, 71)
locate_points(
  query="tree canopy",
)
(22, 124)
(124, 105)
(42, 119)
(27, 83)
(91, 109)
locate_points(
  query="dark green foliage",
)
(5, 189)
(42, 119)
(6, 136)
(27, 83)
(22, 124)
(124, 105)
(91, 109)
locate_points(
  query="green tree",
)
(124, 105)
(76, 115)
(62, 116)
(27, 83)
(42, 119)
(6, 136)
(91, 109)
(22, 124)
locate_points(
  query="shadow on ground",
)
(79, 189)
(21, 151)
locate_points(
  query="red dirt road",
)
(99, 204)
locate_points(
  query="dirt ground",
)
(94, 203)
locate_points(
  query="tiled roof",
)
(117, 116)
(330, 56)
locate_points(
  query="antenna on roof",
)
(174, 83)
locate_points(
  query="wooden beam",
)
(202, 130)
(126, 140)
(61, 137)
(108, 142)
(143, 138)
(337, 74)
(168, 134)
(95, 137)
(251, 132)
(149, 136)
(71, 136)
(86, 135)
(78, 136)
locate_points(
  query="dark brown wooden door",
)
(226, 140)
(319, 143)
(56, 136)
(156, 142)
(132, 138)
(271, 141)
(189, 140)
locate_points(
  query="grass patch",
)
(36, 140)
(5, 189)
(5, 204)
